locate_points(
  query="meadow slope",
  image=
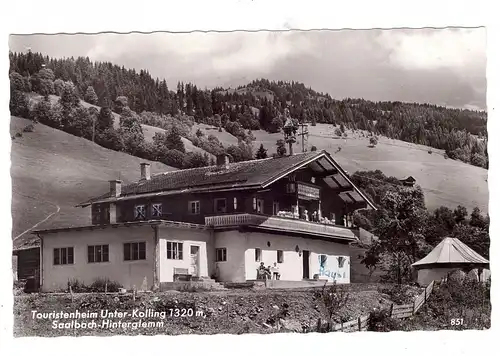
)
(444, 181)
(51, 169)
(148, 131)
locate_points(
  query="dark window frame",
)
(261, 201)
(140, 214)
(63, 256)
(134, 251)
(258, 255)
(276, 207)
(197, 206)
(221, 254)
(157, 210)
(175, 250)
(280, 256)
(97, 253)
(256, 202)
(216, 200)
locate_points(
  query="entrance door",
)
(195, 260)
(305, 264)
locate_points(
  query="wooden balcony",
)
(278, 223)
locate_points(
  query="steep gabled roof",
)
(451, 251)
(248, 174)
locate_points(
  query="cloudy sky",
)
(444, 67)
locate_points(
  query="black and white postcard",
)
(249, 182)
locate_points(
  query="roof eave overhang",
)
(321, 154)
(305, 234)
(171, 192)
(170, 223)
(240, 186)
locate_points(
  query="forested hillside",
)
(139, 98)
(107, 104)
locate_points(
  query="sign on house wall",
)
(307, 191)
(334, 268)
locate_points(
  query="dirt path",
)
(40, 222)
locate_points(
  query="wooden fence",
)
(407, 310)
(395, 311)
(358, 324)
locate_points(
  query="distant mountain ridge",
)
(261, 103)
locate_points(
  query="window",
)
(98, 253)
(258, 205)
(290, 188)
(258, 255)
(174, 250)
(322, 261)
(194, 207)
(140, 212)
(341, 261)
(133, 251)
(156, 210)
(220, 254)
(96, 215)
(280, 256)
(276, 208)
(63, 256)
(220, 205)
(235, 203)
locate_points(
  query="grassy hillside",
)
(445, 181)
(51, 168)
(224, 137)
(149, 131)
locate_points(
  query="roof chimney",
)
(223, 160)
(115, 188)
(145, 171)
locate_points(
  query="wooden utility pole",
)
(304, 134)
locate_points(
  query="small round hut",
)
(448, 256)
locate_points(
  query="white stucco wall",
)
(188, 237)
(241, 264)
(127, 273)
(232, 270)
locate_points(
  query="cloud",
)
(223, 53)
(435, 49)
(444, 67)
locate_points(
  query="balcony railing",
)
(280, 224)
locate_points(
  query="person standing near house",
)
(276, 272)
(263, 272)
